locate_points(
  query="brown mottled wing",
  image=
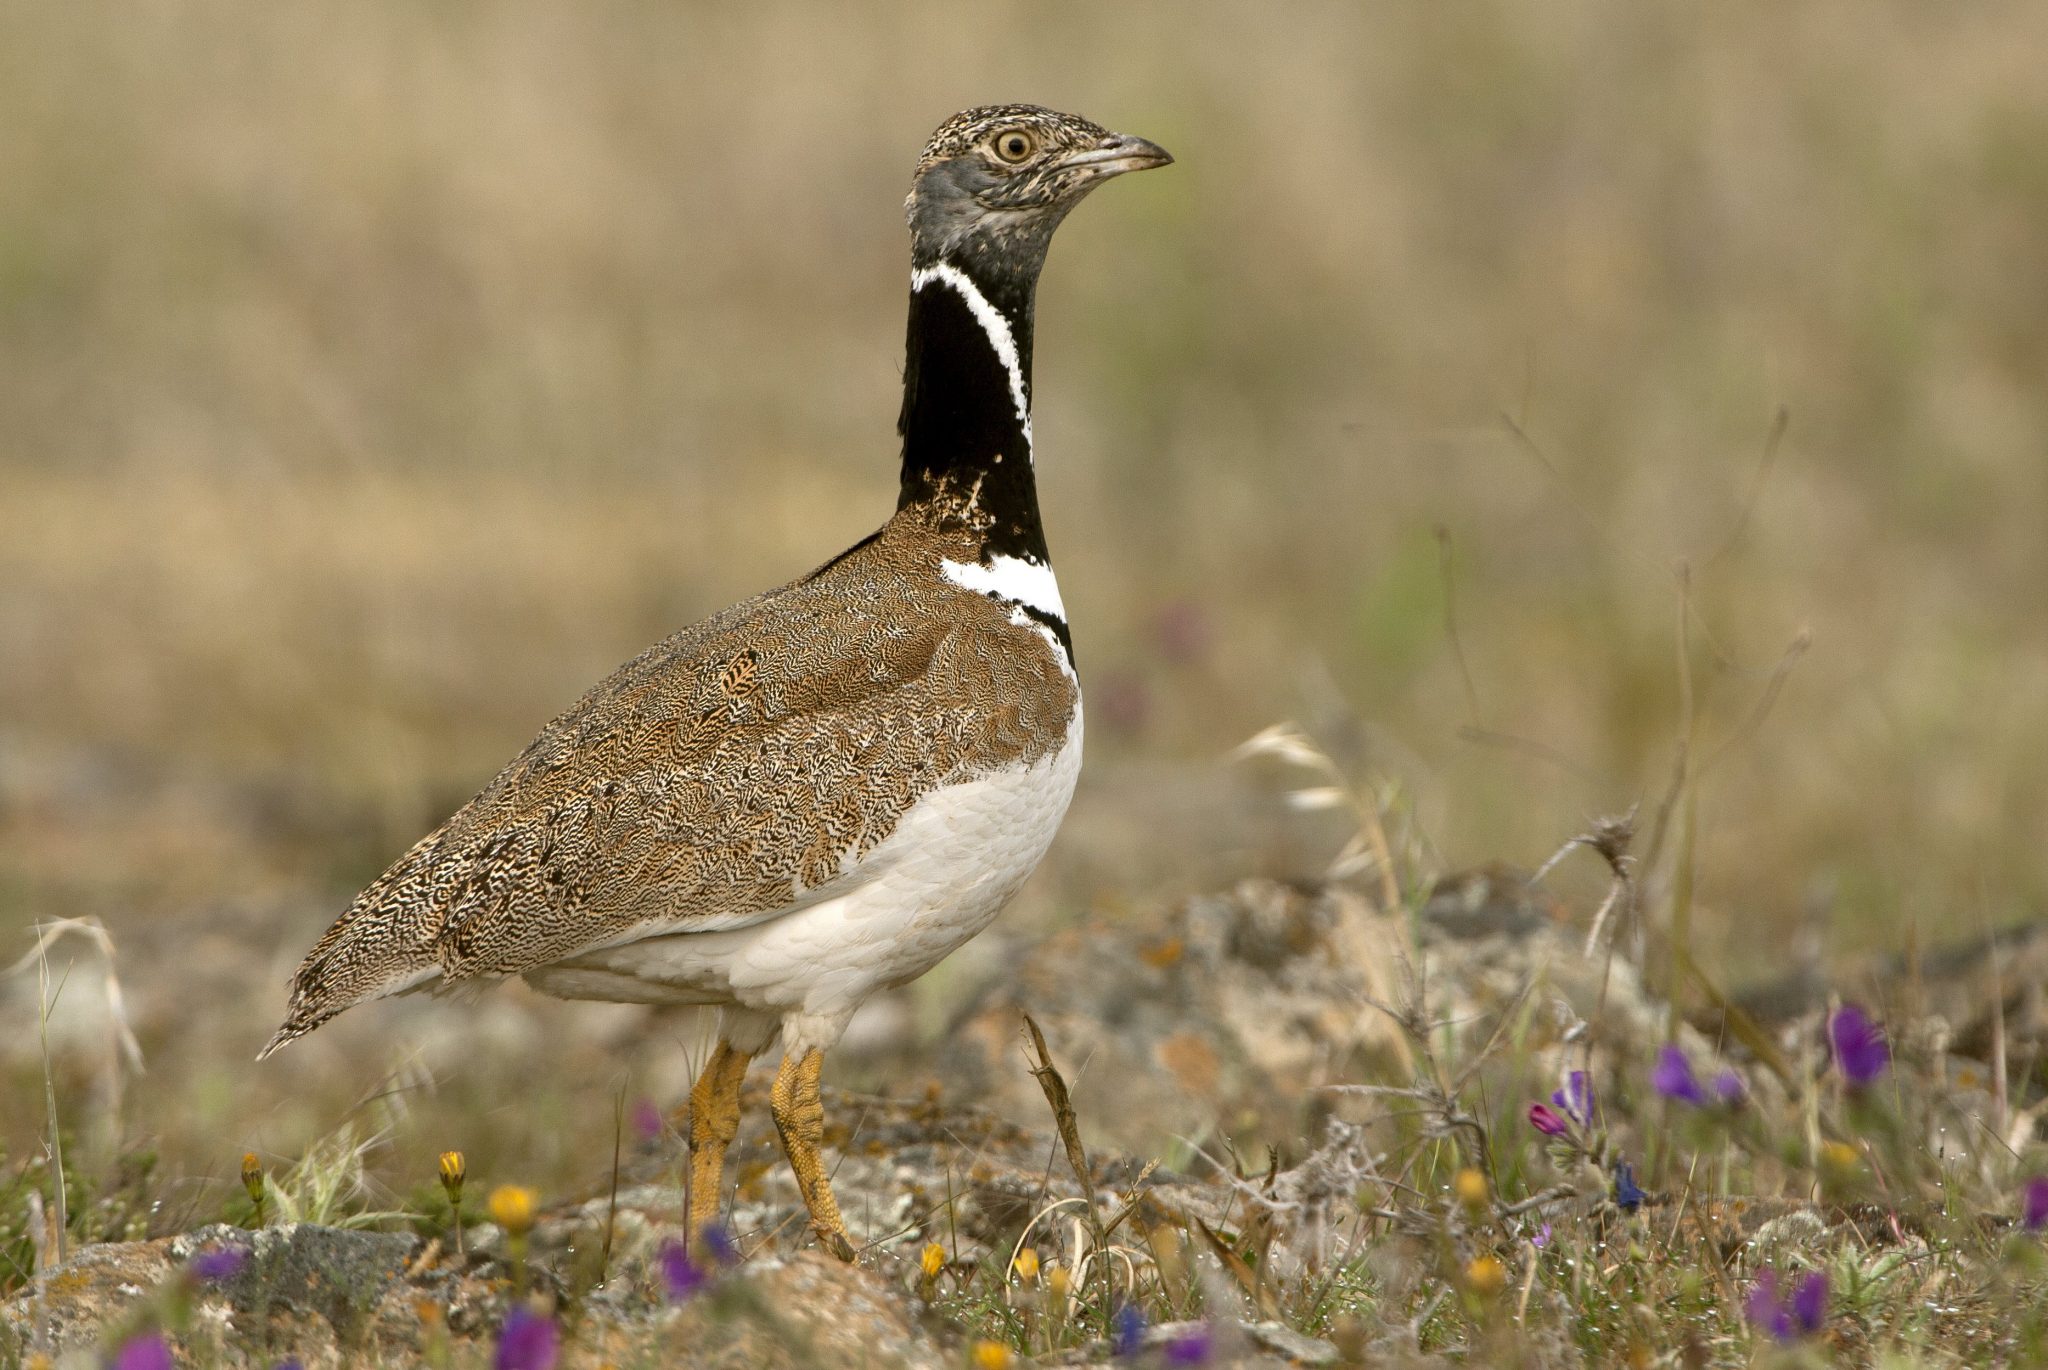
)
(713, 780)
(704, 782)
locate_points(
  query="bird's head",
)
(995, 182)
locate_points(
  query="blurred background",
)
(374, 376)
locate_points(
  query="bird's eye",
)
(1014, 145)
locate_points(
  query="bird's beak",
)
(1116, 154)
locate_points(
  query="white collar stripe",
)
(1012, 580)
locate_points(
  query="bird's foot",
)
(800, 1118)
(714, 1122)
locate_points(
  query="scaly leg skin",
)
(714, 1122)
(800, 1118)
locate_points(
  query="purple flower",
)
(1729, 1089)
(2034, 1204)
(1192, 1347)
(1542, 1237)
(219, 1265)
(1627, 1196)
(1788, 1319)
(717, 1245)
(1860, 1051)
(528, 1341)
(1576, 1098)
(1127, 1332)
(1672, 1077)
(647, 1121)
(1810, 1302)
(1547, 1122)
(1767, 1312)
(681, 1276)
(147, 1352)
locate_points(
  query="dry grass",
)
(373, 377)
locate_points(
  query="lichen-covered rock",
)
(325, 1297)
(811, 1310)
(1234, 1011)
(1234, 1007)
(312, 1292)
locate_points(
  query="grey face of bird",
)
(995, 182)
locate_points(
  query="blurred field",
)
(374, 376)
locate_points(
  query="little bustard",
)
(821, 792)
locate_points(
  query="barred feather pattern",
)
(737, 769)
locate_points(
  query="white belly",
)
(952, 862)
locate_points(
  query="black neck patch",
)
(961, 428)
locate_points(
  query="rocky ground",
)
(1276, 1005)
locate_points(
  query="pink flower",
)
(1547, 1122)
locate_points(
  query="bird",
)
(821, 792)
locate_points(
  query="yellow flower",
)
(1058, 1282)
(1486, 1276)
(452, 1172)
(992, 1355)
(1471, 1188)
(1026, 1264)
(511, 1208)
(933, 1260)
(252, 1175)
(1838, 1156)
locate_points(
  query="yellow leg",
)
(714, 1122)
(800, 1118)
